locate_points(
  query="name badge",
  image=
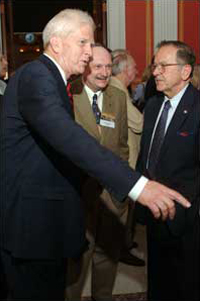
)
(107, 120)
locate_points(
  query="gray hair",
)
(185, 53)
(120, 59)
(64, 23)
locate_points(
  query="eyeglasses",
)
(162, 67)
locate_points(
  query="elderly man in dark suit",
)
(170, 155)
(42, 153)
(3, 69)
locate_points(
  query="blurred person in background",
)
(138, 95)
(124, 71)
(195, 80)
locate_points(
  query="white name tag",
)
(107, 120)
(107, 123)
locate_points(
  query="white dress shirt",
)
(174, 102)
(2, 87)
(62, 73)
(90, 95)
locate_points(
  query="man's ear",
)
(55, 43)
(186, 71)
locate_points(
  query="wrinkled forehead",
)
(101, 56)
(166, 53)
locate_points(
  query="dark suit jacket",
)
(42, 149)
(178, 166)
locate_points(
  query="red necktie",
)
(70, 94)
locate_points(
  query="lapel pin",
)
(185, 112)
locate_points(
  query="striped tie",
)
(95, 109)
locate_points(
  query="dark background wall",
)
(30, 16)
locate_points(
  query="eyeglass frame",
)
(162, 66)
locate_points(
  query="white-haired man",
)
(42, 154)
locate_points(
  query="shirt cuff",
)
(138, 188)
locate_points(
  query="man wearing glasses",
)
(170, 154)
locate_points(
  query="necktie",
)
(158, 140)
(70, 94)
(95, 109)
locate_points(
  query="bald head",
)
(124, 66)
(98, 72)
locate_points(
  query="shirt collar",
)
(174, 101)
(91, 93)
(2, 87)
(62, 73)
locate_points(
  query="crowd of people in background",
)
(65, 175)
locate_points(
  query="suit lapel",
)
(84, 110)
(107, 102)
(107, 108)
(182, 112)
(150, 123)
(59, 80)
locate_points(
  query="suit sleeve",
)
(42, 109)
